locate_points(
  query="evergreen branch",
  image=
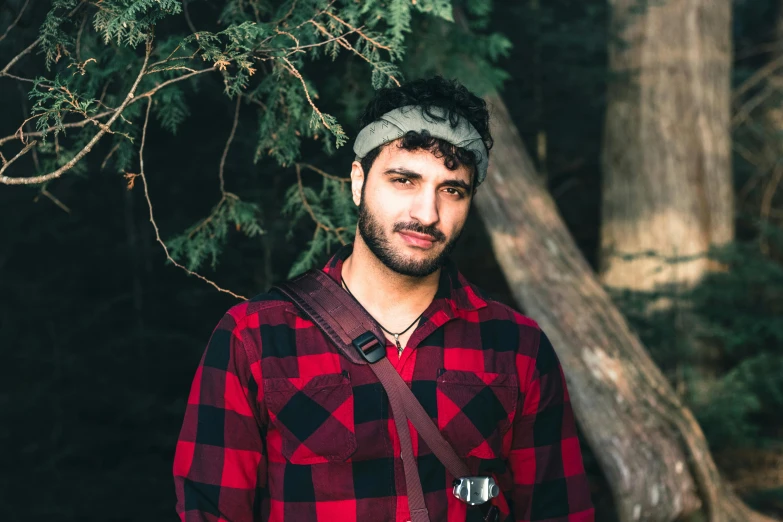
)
(171, 56)
(32, 46)
(172, 68)
(16, 21)
(133, 100)
(319, 225)
(346, 45)
(298, 75)
(349, 26)
(288, 14)
(50, 129)
(87, 148)
(152, 217)
(213, 215)
(286, 33)
(152, 91)
(228, 144)
(320, 44)
(323, 173)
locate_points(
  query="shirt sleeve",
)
(546, 461)
(220, 461)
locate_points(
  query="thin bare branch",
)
(59, 172)
(320, 44)
(743, 113)
(79, 39)
(286, 33)
(16, 21)
(18, 78)
(766, 204)
(21, 153)
(257, 102)
(289, 13)
(323, 173)
(152, 217)
(764, 72)
(53, 199)
(228, 145)
(172, 68)
(23, 103)
(187, 17)
(155, 89)
(296, 74)
(349, 26)
(109, 155)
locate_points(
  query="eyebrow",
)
(410, 174)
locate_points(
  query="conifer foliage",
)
(105, 69)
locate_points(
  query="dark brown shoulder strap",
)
(337, 314)
(361, 340)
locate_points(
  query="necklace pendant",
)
(399, 347)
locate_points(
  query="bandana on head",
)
(394, 124)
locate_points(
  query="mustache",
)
(417, 227)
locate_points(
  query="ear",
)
(357, 181)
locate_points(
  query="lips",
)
(415, 239)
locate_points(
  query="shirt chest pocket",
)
(476, 410)
(315, 419)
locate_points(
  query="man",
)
(280, 427)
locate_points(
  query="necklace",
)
(396, 335)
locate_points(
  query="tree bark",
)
(667, 182)
(650, 447)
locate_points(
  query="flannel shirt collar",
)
(454, 291)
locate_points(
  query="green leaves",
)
(333, 212)
(53, 101)
(55, 41)
(129, 22)
(204, 241)
(263, 52)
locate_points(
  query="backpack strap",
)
(360, 339)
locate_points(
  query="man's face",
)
(411, 209)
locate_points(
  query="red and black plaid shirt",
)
(280, 427)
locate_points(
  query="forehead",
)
(421, 161)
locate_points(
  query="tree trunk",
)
(650, 447)
(667, 182)
(667, 185)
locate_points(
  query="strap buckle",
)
(370, 347)
(475, 490)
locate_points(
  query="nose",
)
(425, 209)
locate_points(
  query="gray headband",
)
(394, 124)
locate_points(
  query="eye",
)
(401, 181)
(455, 192)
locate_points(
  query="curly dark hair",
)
(449, 95)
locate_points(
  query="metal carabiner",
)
(475, 490)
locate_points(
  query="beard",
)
(372, 233)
